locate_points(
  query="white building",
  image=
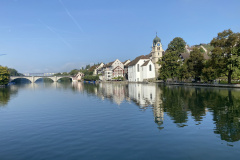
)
(148, 70)
(98, 69)
(141, 69)
(146, 67)
(78, 77)
(113, 69)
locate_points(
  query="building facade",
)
(156, 53)
(113, 70)
(141, 69)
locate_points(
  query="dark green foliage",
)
(170, 65)
(202, 50)
(177, 45)
(90, 78)
(73, 72)
(4, 75)
(183, 72)
(226, 53)
(195, 63)
(14, 72)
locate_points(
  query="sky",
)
(50, 36)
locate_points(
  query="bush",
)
(90, 78)
(118, 78)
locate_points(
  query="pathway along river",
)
(114, 121)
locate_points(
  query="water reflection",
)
(179, 103)
(5, 95)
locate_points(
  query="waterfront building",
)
(145, 68)
(112, 70)
(126, 63)
(156, 53)
(98, 69)
(141, 69)
(78, 76)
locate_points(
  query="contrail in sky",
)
(70, 15)
(3, 54)
(58, 35)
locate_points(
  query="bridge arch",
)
(21, 77)
(58, 78)
(37, 78)
(33, 79)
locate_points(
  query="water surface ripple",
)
(115, 121)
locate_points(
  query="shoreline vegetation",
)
(222, 61)
(180, 65)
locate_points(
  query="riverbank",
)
(116, 82)
(201, 84)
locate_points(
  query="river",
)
(114, 121)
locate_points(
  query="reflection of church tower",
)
(157, 107)
(157, 52)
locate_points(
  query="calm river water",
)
(114, 121)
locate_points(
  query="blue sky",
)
(60, 35)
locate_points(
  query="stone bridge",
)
(33, 79)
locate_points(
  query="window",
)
(138, 67)
(150, 67)
(158, 48)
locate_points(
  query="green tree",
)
(208, 72)
(4, 75)
(226, 53)
(14, 72)
(73, 72)
(170, 65)
(177, 45)
(183, 72)
(195, 63)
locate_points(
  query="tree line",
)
(87, 71)
(5, 74)
(223, 61)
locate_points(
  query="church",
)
(145, 67)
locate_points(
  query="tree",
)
(183, 72)
(14, 72)
(4, 75)
(73, 72)
(177, 45)
(208, 72)
(226, 53)
(195, 63)
(170, 65)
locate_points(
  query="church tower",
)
(157, 52)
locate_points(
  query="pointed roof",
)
(135, 61)
(145, 63)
